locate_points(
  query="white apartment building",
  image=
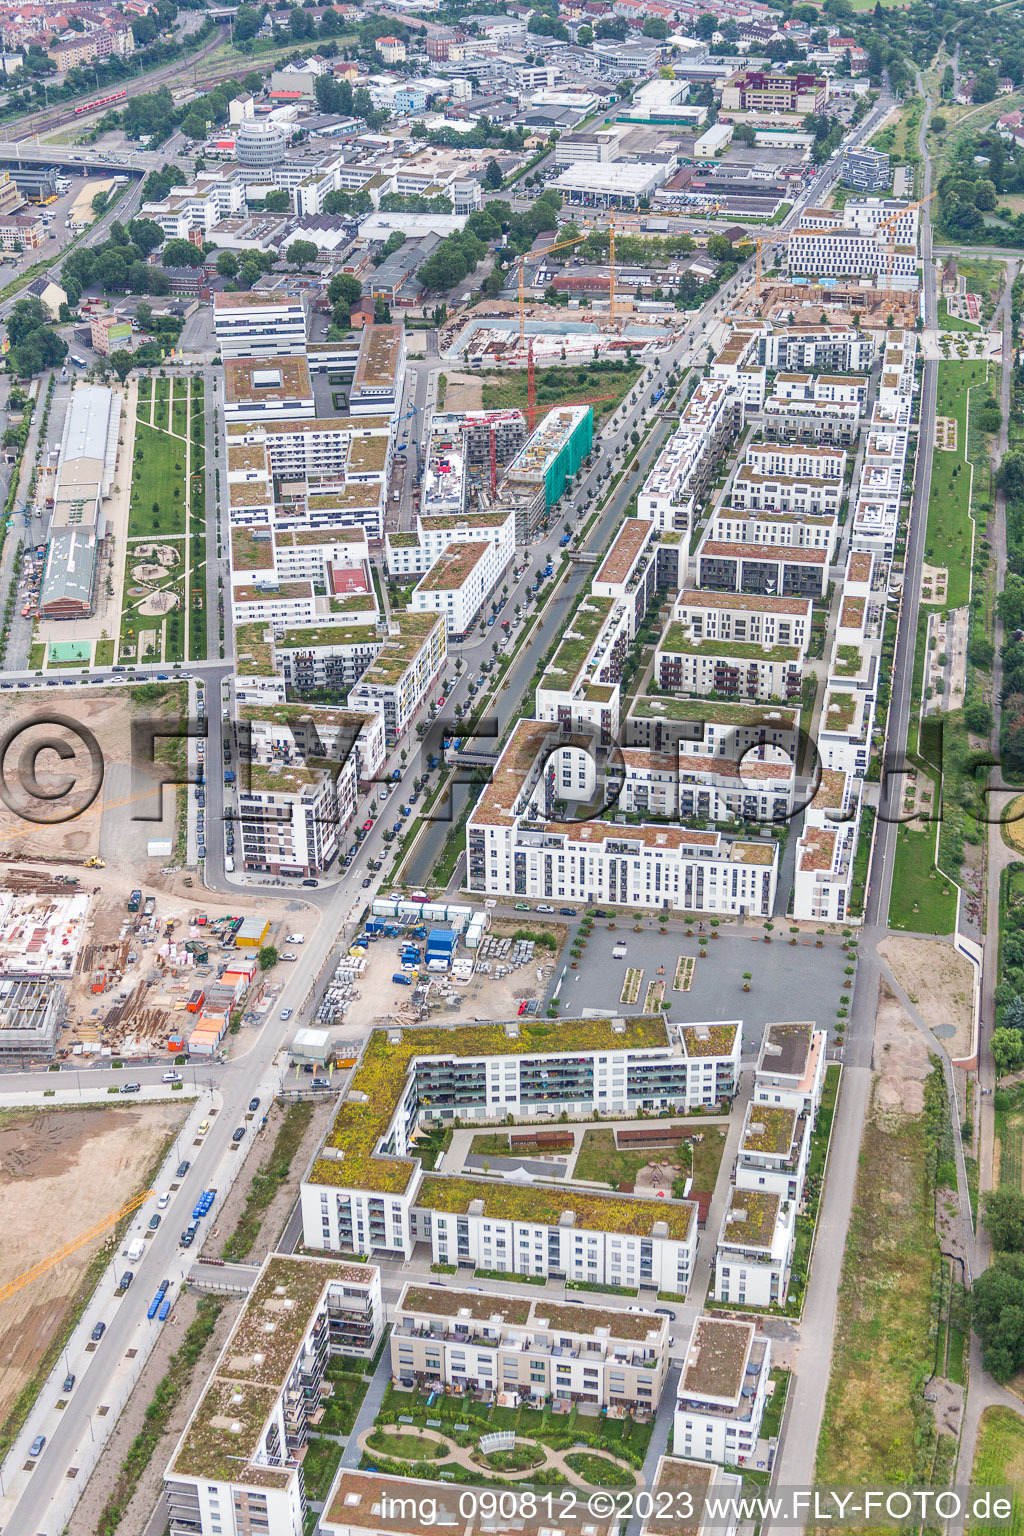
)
(797, 461)
(580, 687)
(818, 349)
(727, 668)
(788, 417)
(791, 1067)
(289, 819)
(731, 616)
(275, 388)
(759, 788)
(736, 364)
(804, 496)
(379, 377)
(458, 584)
(769, 569)
(755, 1249)
(683, 470)
(364, 1190)
(535, 1349)
(238, 1463)
(722, 1392)
(628, 571)
(773, 1151)
(329, 471)
(414, 553)
(398, 683)
(324, 656)
(825, 852)
(844, 730)
(559, 1232)
(712, 728)
(516, 847)
(256, 324)
(801, 530)
(849, 253)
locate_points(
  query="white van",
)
(133, 1253)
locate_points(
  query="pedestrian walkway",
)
(463, 1456)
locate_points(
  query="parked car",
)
(163, 1200)
(254, 1105)
(131, 1087)
(286, 1013)
(543, 907)
(69, 1382)
(36, 1448)
(98, 1332)
(567, 912)
(521, 906)
(239, 1135)
(182, 1168)
(172, 1077)
(311, 882)
(154, 1221)
(321, 1082)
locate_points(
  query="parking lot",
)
(786, 981)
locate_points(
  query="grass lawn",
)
(1009, 1129)
(780, 1379)
(557, 386)
(884, 1345)
(268, 1181)
(599, 1471)
(999, 1459)
(707, 1159)
(407, 1447)
(319, 1465)
(490, 1144)
(950, 534)
(922, 901)
(103, 655)
(158, 485)
(37, 655)
(948, 322)
(602, 1163)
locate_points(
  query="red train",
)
(102, 101)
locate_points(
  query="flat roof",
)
(379, 1080)
(630, 540)
(785, 1049)
(541, 1205)
(768, 1129)
(266, 378)
(453, 568)
(750, 1217)
(377, 367)
(716, 1360)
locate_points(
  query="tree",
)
(585, 36)
(1010, 475)
(492, 175)
(277, 201)
(1013, 1013)
(227, 264)
(1003, 1211)
(656, 28)
(344, 288)
(706, 26)
(720, 248)
(998, 1315)
(268, 957)
(1007, 1050)
(986, 84)
(301, 253)
(182, 253)
(145, 235)
(28, 315)
(985, 196)
(122, 363)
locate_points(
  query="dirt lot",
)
(49, 1193)
(901, 1056)
(940, 984)
(464, 393)
(131, 1422)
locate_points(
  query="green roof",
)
(382, 1071)
(580, 634)
(327, 634)
(676, 641)
(253, 653)
(769, 715)
(593, 1212)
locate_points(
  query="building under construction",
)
(32, 1010)
(460, 442)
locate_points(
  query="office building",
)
(258, 324)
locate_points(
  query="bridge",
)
(96, 162)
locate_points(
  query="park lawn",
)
(884, 1347)
(948, 322)
(490, 1144)
(37, 655)
(558, 386)
(161, 404)
(1009, 1134)
(706, 1156)
(950, 534)
(998, 1461)
(103, 655)
(917, 883)
(341, 1408)
(601, 1162)
(419, 1447)
(157, 508)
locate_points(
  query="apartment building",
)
(257, 324)
(713, 728)
(804, 496)
(289, 819)
(754, 1255)
(791, 1067)
(736, 364)
(457, 443)
(398, 683)
(817, 349)
(694, 1484)
(416, 552)
(628, 573)
(238, 1462)
(774, 1147)
(364, 1190)
(733, 669)
(269, 389)
(770, 569)
(323, 656)
(709, 422)
(722, 1392)
(458, 584)
(379, 377)
(104, 42)
(515, 846)
(852, 253)
(799, 530)
(866, 170)
(732, 616)
(356, 1500)
(580, 686)
(537, 1350)
(826, 850)
(844, 730)
(760, 787)
(797, 460)
(792, 418)
(553, 453)
(309, 474)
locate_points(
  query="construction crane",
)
(531, 402)
(53, 1259)
(890, 226)
(558, 246)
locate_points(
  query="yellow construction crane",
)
(560, 245)
(890, 225)
(51, 1260)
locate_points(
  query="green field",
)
(558, 386)
(999, 1460)
(950, 535)
(601, 1162)
(922, 900)
(873, 1425)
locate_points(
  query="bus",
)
(79, 362)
